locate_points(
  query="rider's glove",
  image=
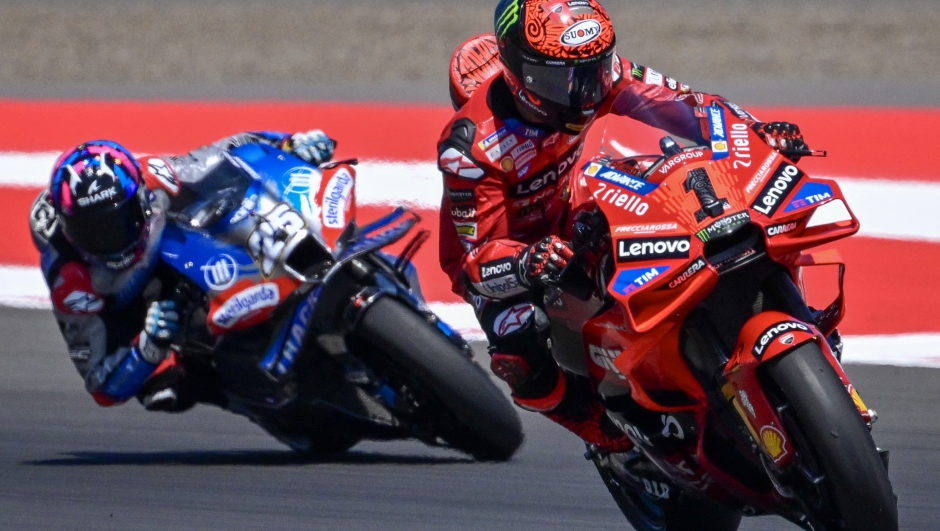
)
(541, 261)
(313, 146)
(160, 329)
(781, 136)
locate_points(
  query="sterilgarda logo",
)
(630, 280)
(507, 14)
(246, 303)
(334, 200)
(719, 136)
(581, 33)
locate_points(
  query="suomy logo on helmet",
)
(581, 32)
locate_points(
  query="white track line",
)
(23, 287)
(887, 209)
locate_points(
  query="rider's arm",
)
(476, 250)
(662, 102)
(100, 339)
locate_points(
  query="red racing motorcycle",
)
(685, 306)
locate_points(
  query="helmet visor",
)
(107, 232)
(579, 87)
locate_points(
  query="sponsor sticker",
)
(774, 442)
(456, 163)
(696, 266)
(762, 172)
(653, 77)
(724, 226)
(604, 358)
(247, 207)
(780, 184)
(637, 249)
(462, 213)
(810, 194)
(581, 32)
(512, 319)
(502, 149)
(496, 268)
(334, 200)
(619, 178)
(506, 164)
(783, 228)
(220, 272)
(772, 332)
(162, 171)
(246, 303)
(466, 229)
(630, 280)
(461, 196)
(491, 140)
(80, 301)
(680, 158)
(646, 228)
(525, 147)
(499, 287)
(719, 136)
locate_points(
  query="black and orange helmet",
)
(559, 58)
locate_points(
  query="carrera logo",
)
(775, 230)
(771, 333)
(696, 266)
(781, 183)
(491, 270)
(581, 32)
(653, 248)
(245, 303)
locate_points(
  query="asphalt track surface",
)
(66, 463)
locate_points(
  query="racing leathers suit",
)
(101, 312)
(507, 186)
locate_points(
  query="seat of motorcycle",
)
(474, 61)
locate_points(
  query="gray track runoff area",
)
(66, 463)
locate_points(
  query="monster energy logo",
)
(507, 18)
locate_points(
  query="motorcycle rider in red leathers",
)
(507, 157)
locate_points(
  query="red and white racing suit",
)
(506, 186)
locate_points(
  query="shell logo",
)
(774, 442)
(857, 399)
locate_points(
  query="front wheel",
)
(465, 407)
(832, 442)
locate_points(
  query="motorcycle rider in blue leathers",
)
(98, 229)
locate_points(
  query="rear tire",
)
(467, 409)
(838, 441)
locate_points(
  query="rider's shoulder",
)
(72, 292)
(159, 174)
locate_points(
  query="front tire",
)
(823, 419)
(467, 410)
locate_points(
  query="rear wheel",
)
(832, 442)
(464, 406)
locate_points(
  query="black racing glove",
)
(782, 136)
(541, 262)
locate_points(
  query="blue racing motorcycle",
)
(311, 330)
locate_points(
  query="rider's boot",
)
(564, 398)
